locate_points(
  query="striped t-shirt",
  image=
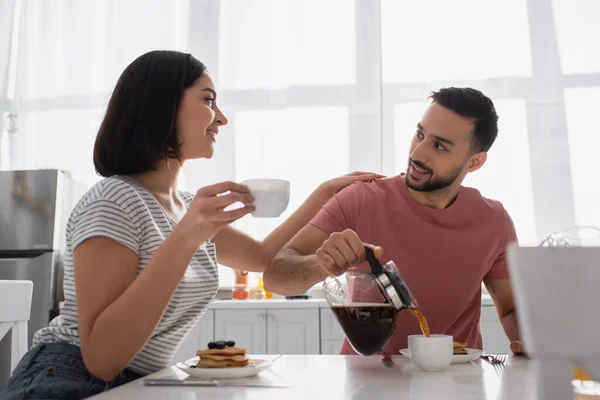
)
(121, 209)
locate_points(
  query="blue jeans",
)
(57, 371)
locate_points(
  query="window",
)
(4, 143)
(82, 48)
(280, 43)
(53, 139)
(582, 126)
(7, 10)
(432, 40)
(303, 145)
(287, 95)
(506, 175)
(578, 31)
(343, 82)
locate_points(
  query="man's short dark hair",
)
(471, 103)
(139, 128)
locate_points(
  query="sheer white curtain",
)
(7, 9)
(302, 102)
(541, 66)
(474, 49)
(70, 55)
(318, 88)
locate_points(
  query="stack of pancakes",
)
(460, 348)
(222, 358)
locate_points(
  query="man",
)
(446, 239)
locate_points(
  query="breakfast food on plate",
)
(220, 344)
(460, 348)
(222, 354)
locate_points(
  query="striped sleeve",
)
(188, 198)
(103, 217)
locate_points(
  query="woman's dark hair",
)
(139, 128)
(471, 103)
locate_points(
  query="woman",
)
(140, 259)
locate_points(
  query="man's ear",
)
(476, 161)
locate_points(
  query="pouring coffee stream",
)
(367, 306)
(397, 290)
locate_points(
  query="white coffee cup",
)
(432, 353)
(271, 196)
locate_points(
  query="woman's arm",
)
(119, 310)
(238, 250)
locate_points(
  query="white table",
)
(316, 377)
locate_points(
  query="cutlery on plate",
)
(498, 362)
(276, 358)
(495, 358)
(197, 382)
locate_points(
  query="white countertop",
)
(270, 303)
(285, 303)
(357, 378)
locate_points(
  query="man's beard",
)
(433, 184)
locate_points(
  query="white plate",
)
(473, 354)
(224, 373)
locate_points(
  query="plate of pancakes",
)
(461, 354)
(221, 361)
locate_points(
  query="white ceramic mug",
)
(432, 353)
(271, 196)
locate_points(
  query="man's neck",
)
(438, 199)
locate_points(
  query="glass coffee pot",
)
(367, 305)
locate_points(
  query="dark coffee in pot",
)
(368, 326)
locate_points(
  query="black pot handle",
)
(374, 263)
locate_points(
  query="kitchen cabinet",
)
(494, 338)
(293, 331)
(295, 327)
(332, 334)
(332, 347)
(203, 333)
(247, 327)
(330, 327)
(270, 331)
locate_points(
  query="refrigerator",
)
(34, 208)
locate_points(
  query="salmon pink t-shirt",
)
(443, 255)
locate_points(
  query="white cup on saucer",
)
(271, 196)
(432, 353)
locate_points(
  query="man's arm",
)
(501, 292)
(311, 256)
(296, 269)
(240, 251)
(326, 247)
